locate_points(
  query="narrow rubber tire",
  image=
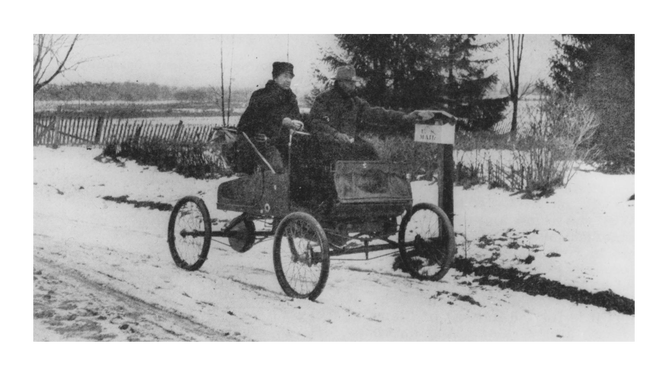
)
(434, 253)
(189, 214)
(301, 256)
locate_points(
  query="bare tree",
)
(515, 51)
(221, 93)
(229, 87)
(222, 83)
(51, 54)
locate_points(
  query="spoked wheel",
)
(301, 256)
(426, 242)
(189, 234)
(242, 235)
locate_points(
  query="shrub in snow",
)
(189, 158)
(559, 138)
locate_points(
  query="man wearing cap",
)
(338, 116)
(271, 111)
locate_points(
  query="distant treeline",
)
(135, 92)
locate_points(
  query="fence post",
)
(138, 132)
(211, 132)
(32, 109)
(35, 128)
(449, 180)
(446, 175)
(56, 129)
(490, 177)
(178, 130)
(98, 130)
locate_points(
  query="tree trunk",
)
(513, 123)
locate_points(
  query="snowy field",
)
(102, 269)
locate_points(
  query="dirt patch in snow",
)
(510, 278)
(463, 298)
(534, 284)
(140, 204)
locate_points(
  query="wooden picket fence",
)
(57, 130)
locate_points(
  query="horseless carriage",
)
(370, 196)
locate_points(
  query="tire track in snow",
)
(156, 320)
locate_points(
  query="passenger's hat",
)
(346, 73)
(280, 68)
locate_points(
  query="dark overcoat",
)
(265, 113)
(266, 110)
(335, 111)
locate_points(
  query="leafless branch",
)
(48, 50)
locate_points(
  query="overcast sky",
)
(194, 60)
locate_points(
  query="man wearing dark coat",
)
(337, 118)
(271, 112)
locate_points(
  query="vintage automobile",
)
(370, 197)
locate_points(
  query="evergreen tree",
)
(466, 82)
(400, 70)
(419, 71)
(582, 58)
(600, 69)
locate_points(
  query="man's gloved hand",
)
(342, 137)
(417, 115)
(261, 137)
(293, 124)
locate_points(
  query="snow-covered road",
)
(102, 269)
